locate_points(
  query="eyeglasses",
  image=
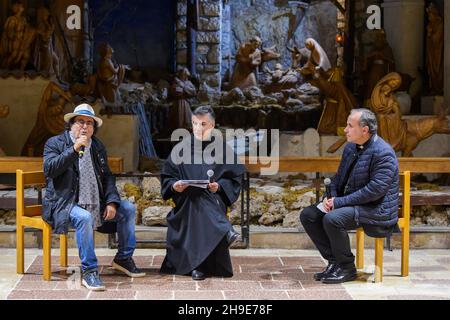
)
(81, 123)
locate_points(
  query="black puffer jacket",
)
(61, 170)
(373, 184)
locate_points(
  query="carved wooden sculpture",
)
(50, 120)
(339, 101)
(318, 58)
(377, 64)
(109, 77)
(248, 58)
(280, 79)
(403, 135)
(45, 58)
(16, 40)
(182, 89)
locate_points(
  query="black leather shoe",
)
(197, 275)
(232, 236)
(329, 269)
(340, 275)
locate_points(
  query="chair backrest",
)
(23, 180)
(405, 188)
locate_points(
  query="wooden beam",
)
(330, 165)
(11, 164)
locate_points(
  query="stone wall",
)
(209, 53)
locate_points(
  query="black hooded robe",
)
(197, 226)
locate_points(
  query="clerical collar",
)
(367, 143)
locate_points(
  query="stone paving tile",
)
(262, 261)
(228, 285)
(48, 295)
(162, 285)
(155, 295)
(244, 268)
(250, 276)
(281, 285)
(255, 295)
(304, 261)
(417, 268)
(199, 295)
(113, 295)
(319, 295)
(67, 285)
(36, 285)
(299, 275)
(318, 285)
(153, 276)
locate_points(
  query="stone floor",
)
(260, 274)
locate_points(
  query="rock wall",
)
(249, 18)
(209, 53)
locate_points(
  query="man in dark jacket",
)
(81, 193)
(364, 193)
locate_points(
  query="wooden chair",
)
(403, 223)
(30, 216)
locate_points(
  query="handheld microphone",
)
(82, 148)
(81, 153)
(210, 174)
(327, 183)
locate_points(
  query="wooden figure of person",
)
(387, 109)
(248, 59)
(318, 58)
(45, 58)
(339, 101)
(182, 89)
(377, 64)
(13, 37)
(403, 135)
(109, 77)
(50, 120)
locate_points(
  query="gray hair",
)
(368, 118)
(205, 110)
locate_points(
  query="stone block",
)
(209, 8)
(181, 56)
(182, 23)
(208, 37)
(181, 36)
(214, 55)
(209, 24)
(182, 7)
(203, 49)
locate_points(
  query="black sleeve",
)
(57, 161)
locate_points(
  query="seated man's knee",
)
(308, 215)
(84, 217)
(329, 220)
(127, 209)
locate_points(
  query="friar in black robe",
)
(198, 225)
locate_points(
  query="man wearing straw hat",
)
(81, 193)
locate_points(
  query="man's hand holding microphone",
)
(328, 201)
(80, 144)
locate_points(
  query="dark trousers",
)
(328, 231)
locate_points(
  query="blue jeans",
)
(82, 221)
